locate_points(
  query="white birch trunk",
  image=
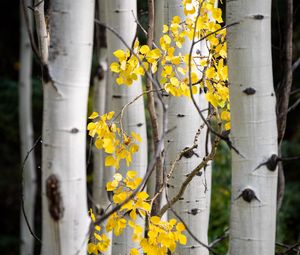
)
(120, 17)
(101, 175)
(64, 128)
(253, 132)
(26, 135)
(184, 121)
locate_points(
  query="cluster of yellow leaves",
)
(100, 241)
(207, 67)
(112, 140)
(161, 236)
(205, 71)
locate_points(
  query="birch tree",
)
(120, 16)
(65, 52)
(26, 133)
(183, 123)
(253, 132)
(101, 175)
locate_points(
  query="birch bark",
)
(184, 121)
(101, 175)
(120, 16)
(254, 132)
(66, 82)
(26, 134)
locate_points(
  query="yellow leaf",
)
(180, 227)
(115, 67)
(225, 115)
(110, 161)
(136, 136)
(165, 28)
(144, 49)
(134, 251)
(227, 126)
(120, 54)
(94, 115)
(131, 174)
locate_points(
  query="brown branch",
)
(189, 178)
(153, 115)
(29, 30)
(22, 194)
(283, 94)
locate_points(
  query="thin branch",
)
(294, 105)
(29, 31)
(189, 178)
(22, 194)
(219, 239)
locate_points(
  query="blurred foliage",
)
(220, 197)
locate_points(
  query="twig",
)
(294, 105)
(29, 31)
(189, 178)
(22, 195)
(219, 239)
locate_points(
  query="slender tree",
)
(121, 16)
(184, 123)
(65, 51)
(254, 131)
(100, 175)
(26, 132)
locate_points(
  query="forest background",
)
(288, 227)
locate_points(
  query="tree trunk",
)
(26, 135)
(184, 121)
(120, 15)
(101, 175)
(66, 82)
(254, 131)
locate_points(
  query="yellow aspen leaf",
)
(154, 67)
(92, 215)
(155, 220)
(115, 67)
(174, 81)
(182, 239)
(136, 136)
(134, 251)
(165, 28)
(225, 115)
(94, 115)
(211, 98)
(97, 227)
(120, 54)
(99, 144)
(217, 15)
(110, 161)
(210, 72)
(144, 49)
(119, 80)
(131, 174)
(98, 237)
(176, 20)
(181, 70)
(180, 227)
(92, 248)
(134, 148)
(227, 126)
